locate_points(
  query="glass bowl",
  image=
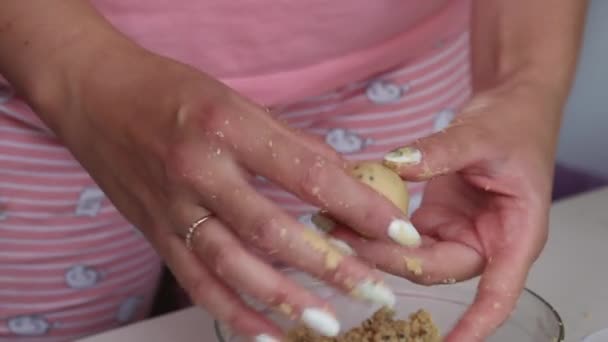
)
(533, 320)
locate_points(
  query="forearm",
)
(42, 43)
(535, 40)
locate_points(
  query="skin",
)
(485, 208)
(148, 134)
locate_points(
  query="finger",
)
(260, 223)
(500, 286)
(446, 225)
(434, 262)
(320, 147)
(315, 143)
(220, 250)
(208, 292)
(451, 150)
(316, 179)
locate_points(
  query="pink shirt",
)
(280, 50)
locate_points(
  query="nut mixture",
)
(381, 327)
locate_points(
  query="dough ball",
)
(385, 181)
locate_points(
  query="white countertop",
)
(571, 274)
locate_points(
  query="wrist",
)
(536, 77)
(55, 90)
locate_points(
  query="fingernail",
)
(375, 292)
(404, 155)
(404, 233)
(342, 246)
(265, 338)
(321, 321)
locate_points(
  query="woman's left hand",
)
(485, 207)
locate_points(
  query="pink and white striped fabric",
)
(70, 265)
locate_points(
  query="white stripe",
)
(78, 254)
(81, 311)
(82, 324)
(36, 215)
(316, 110)
(334, 95)
(33, 146)
(40, 161)
(31, 201)
(396, 127)
(460, 43)
(374, 116)
(79, 238)
(277, 193)
(139, 280)
(33, 279)
(97, 262)
(460, 63)
(440, 87)
(41, 188)
(5, 331)
(45, 174)
(19, 130)
(455, 104)
(116, 278)
(60, 228)
(18, 116)
(297, 207)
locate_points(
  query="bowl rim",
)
(558, 318)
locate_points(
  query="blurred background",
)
(583, 148)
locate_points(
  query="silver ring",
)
(193, 228)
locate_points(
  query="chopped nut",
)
(381, 327)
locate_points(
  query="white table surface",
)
(571, 274)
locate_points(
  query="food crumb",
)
(381, 327)
(413, 265)
(286, 309)
(321, 245)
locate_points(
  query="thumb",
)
(451, 150)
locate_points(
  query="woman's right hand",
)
(169, 144)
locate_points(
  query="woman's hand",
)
(485, 208)
(168, 145)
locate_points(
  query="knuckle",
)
(311, 180)
(220, 257)
(261, 232)
(185, 170)
(213, 117)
